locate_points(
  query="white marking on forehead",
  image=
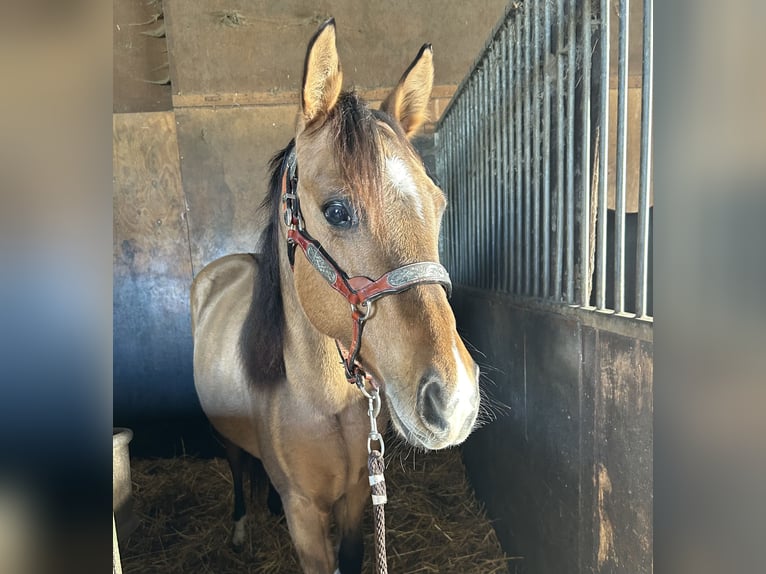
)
(403, 182)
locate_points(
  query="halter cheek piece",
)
(359, 291)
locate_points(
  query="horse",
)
(280, 335)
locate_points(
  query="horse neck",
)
(311, 358)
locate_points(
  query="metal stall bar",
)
(455, 191)
(495, 184)
(485, 162)
(585, 185)
(469, 191)
(500, 226)
(475, 231)
(481, 220)
(519, 156)
(603, 159)
(481, 225)
(570, 210)
(559, 236)
(446, 138)
(444, 230)
(453, 187)
(468, 198)
(527, 155)
(645, 166)
(498, 180)
(507, 132)
(470, 188)
(536, 96)
(621, 167)
(493, 190)
(546, 263)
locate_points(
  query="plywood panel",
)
(140, 60)
(552, 379)
(224, 162)
(152, 270)
(248, 46)
(622, 474)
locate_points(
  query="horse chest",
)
(320, 454)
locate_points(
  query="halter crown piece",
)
(359, 291)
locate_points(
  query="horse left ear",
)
(322, 76)
(408, 102)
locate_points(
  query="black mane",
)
(262, 336)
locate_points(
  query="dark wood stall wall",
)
(566, 469)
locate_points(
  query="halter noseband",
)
(359, 291)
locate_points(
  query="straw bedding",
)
(434, 522)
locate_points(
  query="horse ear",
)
(408, 102)
(322, 77)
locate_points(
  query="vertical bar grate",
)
(525, 157)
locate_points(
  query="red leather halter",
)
(359, 291)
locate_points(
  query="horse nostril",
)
(432, 403)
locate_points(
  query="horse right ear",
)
(322, 76)
(408, 102)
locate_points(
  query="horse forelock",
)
(358, 152)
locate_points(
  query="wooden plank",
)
(589, 376)
(139, 58)
(257, 46)
(239, 99)
(152, 270)
(622, 473)
(149, 209)
(224, 161)
(552, 460)
(440, 97)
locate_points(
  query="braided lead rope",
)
(376, 466)
(378, 487)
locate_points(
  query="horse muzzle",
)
(445, 412)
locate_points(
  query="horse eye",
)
(337, 214)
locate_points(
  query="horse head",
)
(366, 197)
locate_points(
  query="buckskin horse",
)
(279, 336)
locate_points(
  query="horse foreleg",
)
(309, 528)
(236, 458)
(349, 512)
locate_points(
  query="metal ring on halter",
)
(364, 308)
(360, 385)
